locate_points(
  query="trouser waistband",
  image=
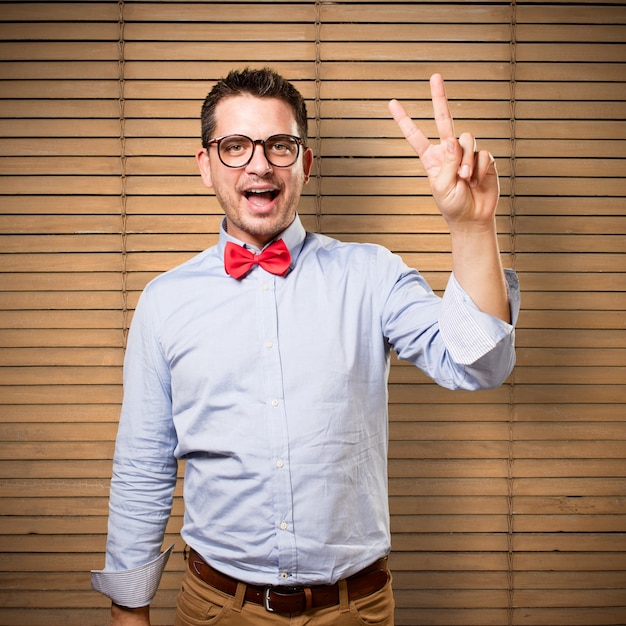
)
(293, 600)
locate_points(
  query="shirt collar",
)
(293, 236)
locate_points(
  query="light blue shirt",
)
(274, 391)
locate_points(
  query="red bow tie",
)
(238, 261)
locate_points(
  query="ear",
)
(307, 164)
(204, 165)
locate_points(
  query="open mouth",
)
(261, 197)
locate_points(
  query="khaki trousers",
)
(201, 605)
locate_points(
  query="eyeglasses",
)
(238, 150)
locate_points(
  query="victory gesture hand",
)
(464, 182)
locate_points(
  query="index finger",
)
(413, 134)
(443, 117)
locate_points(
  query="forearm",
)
(478, 269)
(465, 187)
(121, 616)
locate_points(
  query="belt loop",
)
(239, 598)
(344, 600)
(308, 597)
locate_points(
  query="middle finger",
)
(443, 117)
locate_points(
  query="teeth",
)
(261, 192)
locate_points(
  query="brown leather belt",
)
(294, 600)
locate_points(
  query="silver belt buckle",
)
(268, 606)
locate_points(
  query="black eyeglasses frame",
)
(256, 142)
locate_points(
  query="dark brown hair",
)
(261, 83)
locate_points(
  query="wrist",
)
(127, 616)
(472, 228)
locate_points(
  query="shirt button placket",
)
(281, 481)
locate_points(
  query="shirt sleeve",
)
(449, 338)
(132, 588)
(144, 468)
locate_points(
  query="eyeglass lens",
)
(237, 150)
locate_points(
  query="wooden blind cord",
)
(513, 128)
(122, 146)
(318, 117)
(511, 416)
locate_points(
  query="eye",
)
(282, 145)
(235, 145)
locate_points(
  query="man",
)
(263, 363)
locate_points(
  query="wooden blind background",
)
(508, 506)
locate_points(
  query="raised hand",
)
(464, 182)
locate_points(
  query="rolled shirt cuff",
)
(132, 588)
(468, 333)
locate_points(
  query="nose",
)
(258, 164)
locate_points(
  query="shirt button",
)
(265, 287)
(269, 344)
(280, 464)
(284, 575)
(283, 525)
(274, 402)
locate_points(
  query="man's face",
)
(259, 199)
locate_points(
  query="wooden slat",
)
(60, 128)
(414, 32)
(427, 13)
(587, 72)
(59, 11)
(593, 52)
(28, 73)
(66, 31)
(273, 12)
(60, 165)
(584, 91)
(159, 31)
(60, 109)
(416, 70)
(58, 357)
(569, 32)
(228, 50)
(575, 14)
(31, 51)
(63, 205)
